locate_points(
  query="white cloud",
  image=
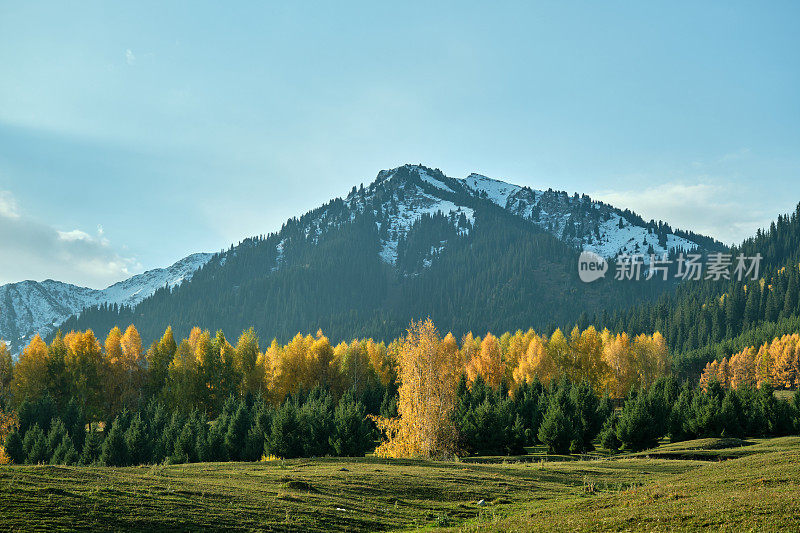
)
(30, 249)
(130, 58)
(726, 212)
(8, 206)
(74, 235)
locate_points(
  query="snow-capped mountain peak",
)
(403, 195)
(31, 307)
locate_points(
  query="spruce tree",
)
(57, 433)
(138, 442)
(65, 453)
(636, 428)
(14, 448)
(114, 452)
(92, 446)
(556, 431)
(35, 446)
(285, 438)
(236, 435)
(352, 431)
(608, 434)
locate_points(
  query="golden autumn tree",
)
(764, 366)
(114, 373)
(487, 363)
(621, 375)
(382, 360)
(560, 352)
(320, 367)
(84, 366)
(710, 373)
(743, 368)
(650, 357)
(535, 363)
(428, 377)
(6, 372)
(8, 423)
(247, 362)
(355, 367)
(183, 382)
(159, 356)
(589, 363)
(30, 372)
(134, 365)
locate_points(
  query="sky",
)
(133, 134)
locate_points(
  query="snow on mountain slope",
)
(31, 307)
(406, 202)
(399, 197)
(582, 222)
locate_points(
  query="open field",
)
(758, 487)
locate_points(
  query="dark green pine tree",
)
(35, 446)
(65, 453)
(285, 438)
(352, 431)
(557, 430)
(57, 433)
(114, 452)
(14, 447)
(236, 435)
(92, 446)
(138, 442)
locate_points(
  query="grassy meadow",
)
(711, 483)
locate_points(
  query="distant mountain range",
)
(472, 253)
(31, 307)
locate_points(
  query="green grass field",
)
(713, 483)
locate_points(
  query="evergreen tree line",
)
(686, 412)
(247, 429)
(564, 416)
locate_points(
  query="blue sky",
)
(134, 134)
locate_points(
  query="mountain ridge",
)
(29, 307)
(413, 242)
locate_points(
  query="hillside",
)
(412, 243)
(755, 489)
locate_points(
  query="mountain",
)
(470, 253)
(31, 307)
